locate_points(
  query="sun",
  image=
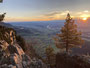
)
(85, 18)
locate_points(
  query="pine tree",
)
(50, 57)
(69, 36)
(1, 1)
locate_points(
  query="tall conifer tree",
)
(69, 36)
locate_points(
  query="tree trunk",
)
(67, 42)
(67, 49)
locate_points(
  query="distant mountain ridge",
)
(6, 24)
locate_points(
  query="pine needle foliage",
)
(69, 36)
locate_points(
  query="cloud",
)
(51, 14)
(57, 12)
(86, 11)
(59, 15)
(85, 15)
(56, 15)
(64, 12)
(79, 13)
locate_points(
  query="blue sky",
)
(34, 10)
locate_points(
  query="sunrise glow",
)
(84, 18)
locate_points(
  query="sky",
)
(44, 10)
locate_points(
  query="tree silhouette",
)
(2, 17)
(1, 1)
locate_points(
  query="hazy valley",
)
(43, 32)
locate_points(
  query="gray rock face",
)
(12, 56)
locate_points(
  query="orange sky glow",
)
(51, 16)
(44, 10)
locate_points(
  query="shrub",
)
(20, 40)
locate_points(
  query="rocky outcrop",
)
(7, 34)
(12, 56)
(37, 63)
